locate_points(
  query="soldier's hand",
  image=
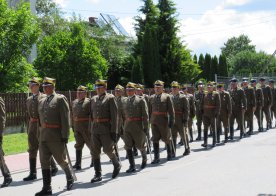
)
(65, 140)
(114, 136)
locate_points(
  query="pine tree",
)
(207, 66)
(214, 68)
(223, 68)
(195, 58)
(201, 66)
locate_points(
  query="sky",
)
(205, 25)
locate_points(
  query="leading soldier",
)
(251, 105)
(3, 166)
(136, 125)
(273, 107)
(238, 108)
(54, 119)
(162, 119)
(181, 110)
(199, 94)
(33, 128)
(81, 118)
(267, 102)
(104, 129)
(211, 110)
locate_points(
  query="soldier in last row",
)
(251, 104)
(3, 166)
(54, 118)
(273, 107)
(225, 112)
(81, 119)
(104, 129)
(211, 110)
(136, 125)
(267, 102)
(238, 108)
(259, 103)
(192, 110)
(199, 94)
(162, 119)
(181, 110)
(33, 129)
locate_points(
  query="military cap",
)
(131, 85)
(244, 79)
(139, 86)
(100, 83)
(49, 81)
(253, 80)
(262, 79)
(175, 84)
(220, 84)
(234, 80)
(184, 86)
(119, 87)
(200, 83)
(158, 83)
(271, 81)
(82, 88)
(210, 83)
(35, 80)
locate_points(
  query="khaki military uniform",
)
(119, 101)
(104, 114)
(199, 95)
(259, 106)
(273, 107)
(181, 110)
(238, 105)
(54, 121)
(136, 121)
(161, 112)
(33, 131)
(211, 110)
(81, 120)
(192, 113)
(251, 103)
(267, 104)
(225, 113)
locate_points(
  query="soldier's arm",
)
(218, 104)
(150, 106)
(170, 110)
(229, 104)
(192, 107)
(270, 95)
(186, 109)
(64, 117)
(113, 114)
(243, 99)
(2, 116)
(145, 114)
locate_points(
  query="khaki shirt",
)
(181, 108)
(238, 99)
(211, 104)
(2, 116)
(250, 97)
(226, 105)
(54, 117)
(81, 114)
(32, 105)
(199, 95)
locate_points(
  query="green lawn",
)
(18, 143)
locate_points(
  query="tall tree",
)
(207, 66)
(222, 67)
(195, 58)
(137, 71)
(214, 68)
(201, 66)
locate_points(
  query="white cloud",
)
(62, 3)
(93, 1)
(227, 3)
(215, 27)
(128, 24)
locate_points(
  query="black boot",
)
(199, 133)
(156, 153)
(54, 168)
(218, 135)
(77, 165)
(181, 142)
(214, 138)
(46, 189)
(126, 155)
(226, 135)
(131, 162)
(174, 148)
(117, 167)
(169, 151)
(92, 162)
(144, 159)
(205, 137)
(231, 133)
(191, 135)
(135, 151)
(32, 175)
(241, 134)
(98, 171)
(187, 151)
(69, 178)
(7, 176)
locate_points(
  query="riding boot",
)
(205, 137)
(191, 135)
(98, 171)
(117, 167)
(144, 159)
(77, 165)
(92, 162)
(131, 162)
(69, 178)
(46, 189)
(6, 174)
(214, 138)
(54, 168)
(174, 147)
(32, 175)
(156, 153)
(226, 135)
(135, 151)
(169, 151)
(231, 133)
(199, 133)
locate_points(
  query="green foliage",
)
(207, 67)
(201, 66)
(137, 71)
(18, 32)
(214, 68)
(222, 67)
(72, 57)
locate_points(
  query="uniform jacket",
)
(211, 104)
(250, 97)
(199, 95)
(192, 107)
(181, 108)
(267, 95)
(238, 99)
(259, 97)
(226, 105)
(81, 114)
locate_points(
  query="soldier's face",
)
(130, 92)
(271, 85)
(253, 84)
(200, 87)
(220, 88)
(175, 90)
(118, 93)
(100, 90)
(262, 82)
(245, 84)
(158, 89)
(139, 92)
(81, 94)
(234, 84)
(34, 88)
(48, 90)
(209, 88)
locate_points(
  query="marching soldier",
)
(33, 131)
(54, 119)
(267, 102)
(238, 108)
(104, 129)
(181, 111)
(225, 112)
(251, 104)
(273, 107)
(192, 110)
(81, 118)
(199, 94)
(162, 119)
(136, 125)
(259, 103)
(3, 166)
(211, 110)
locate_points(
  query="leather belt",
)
(159, 113)
(99, 120)
(134, 119)
(53, 126)
(33, 119)
(76, 119)
(178, 112)
(210, 106)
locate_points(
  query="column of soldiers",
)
(100, 121)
